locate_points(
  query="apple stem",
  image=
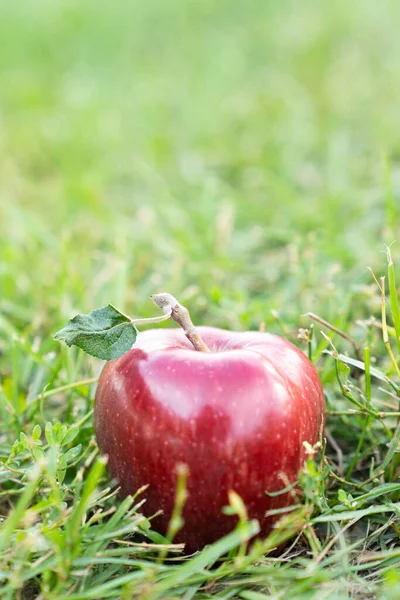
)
(178, 313)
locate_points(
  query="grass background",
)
(243, 156)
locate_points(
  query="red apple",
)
(237, 416)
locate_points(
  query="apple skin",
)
(237, 416)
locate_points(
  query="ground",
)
(241, 155)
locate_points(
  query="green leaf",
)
(37, 432)
(37, 453)
(24, 440)
(344, 369)
(71, 434)
(105, 333)
(72, 454)
(61, 433)
(61, 475)
(48, 431)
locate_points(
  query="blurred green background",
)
(242, 155)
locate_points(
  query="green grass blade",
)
(394, 301)
(11, 523)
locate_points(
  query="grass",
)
(243, 156)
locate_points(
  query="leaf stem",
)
(150, 320)
(178, 313)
